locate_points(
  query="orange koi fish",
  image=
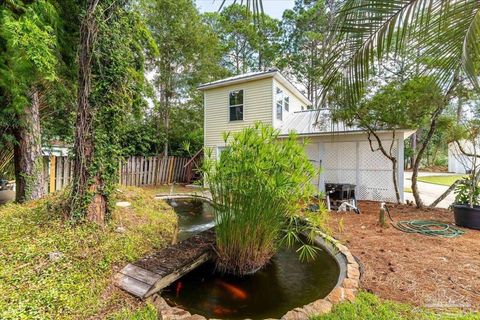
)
(179, 287)
(237, 293)
(221, 311)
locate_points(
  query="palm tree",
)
(444, 34)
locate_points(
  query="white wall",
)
(348, 159)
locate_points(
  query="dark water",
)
(194, 216)
(286, 283)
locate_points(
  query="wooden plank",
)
(66, 171)
(177, 274)
(140, 274)
(53, 166)
(131, 285)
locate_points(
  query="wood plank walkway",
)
(150, 274)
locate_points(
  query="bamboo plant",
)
(258, 184)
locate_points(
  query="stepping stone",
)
(123, 204)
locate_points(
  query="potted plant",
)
(467, 201)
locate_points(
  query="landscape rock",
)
(120, 229)
(336, 296)
(123, 204)
(55, 256)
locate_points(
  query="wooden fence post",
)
(52, 173)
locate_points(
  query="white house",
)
(459, 162)
(343, 152)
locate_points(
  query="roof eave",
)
(225, 83)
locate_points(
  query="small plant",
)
(468, 190)
(258, 185)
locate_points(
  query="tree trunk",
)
(86, 198)
(426, 141)
(28, 158)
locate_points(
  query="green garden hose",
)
(427, 227)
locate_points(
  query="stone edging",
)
(345, 290)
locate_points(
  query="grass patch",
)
(441, 180)
(407, 189)
(369, 306)
(79, 284)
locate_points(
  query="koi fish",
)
(179, 287)
(237, 293)
(221, 311)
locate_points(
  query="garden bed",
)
(421, 270)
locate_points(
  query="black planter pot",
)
(467, 217)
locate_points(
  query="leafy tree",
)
(188, 55)
(29, 60)
(113, 45)
(249, 44)
(306, 43)
(397, 105)
(443, 34)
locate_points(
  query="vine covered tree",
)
(110, 83)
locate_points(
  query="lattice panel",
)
(374, 160)
(339, 156)
(374, 176)
(313, 155)
(376, 185)
(339, 176)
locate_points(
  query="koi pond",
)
(286, 283)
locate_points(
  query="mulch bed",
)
(417, 269)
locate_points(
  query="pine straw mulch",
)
(413, 268)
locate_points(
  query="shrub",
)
(257, 185)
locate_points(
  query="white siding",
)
(295, 103)
(257, 107)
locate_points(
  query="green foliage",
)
(369, 306)
(144, 313)
(189, 55)
(248, 44)
(117, 89)
(257, 185)
(305, 43)
(78, 285)
(467, 192)
(442, 34)
(396, 105)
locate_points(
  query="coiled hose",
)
(426, 227)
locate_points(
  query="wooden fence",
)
(133, 171)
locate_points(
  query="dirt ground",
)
(421, 270)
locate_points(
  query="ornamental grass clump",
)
(258, 184)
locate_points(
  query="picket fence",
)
(133, 171)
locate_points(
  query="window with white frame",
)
(235, 105)
(279, 103)
(286, 103)
(282, 101)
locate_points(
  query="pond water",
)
(194, 216)
(284, 284)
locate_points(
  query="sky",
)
(273, 8)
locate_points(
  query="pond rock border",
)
(346, 289)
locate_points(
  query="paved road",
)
(429, 192)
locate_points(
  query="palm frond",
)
(471, 50)
(369, 31)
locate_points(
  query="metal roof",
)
(314, 122)
(274, 73)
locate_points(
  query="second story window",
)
(286, 103)
(279, 103)
(235, 105)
